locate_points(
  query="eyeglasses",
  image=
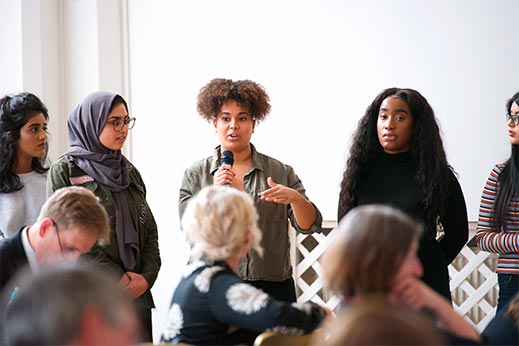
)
(514, 118)
(59, 241)
(119, 124)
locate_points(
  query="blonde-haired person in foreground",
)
(374, 251)
(71, 221)
(211, 304)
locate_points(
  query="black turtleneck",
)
(390, 180)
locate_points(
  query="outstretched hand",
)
(278, 193)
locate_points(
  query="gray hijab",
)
(108, 167)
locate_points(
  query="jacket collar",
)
(215, 160)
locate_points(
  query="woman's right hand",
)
(223, 176)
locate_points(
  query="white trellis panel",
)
(472, 278)
(474, 285)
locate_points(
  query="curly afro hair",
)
(246, 93)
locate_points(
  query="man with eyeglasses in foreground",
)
(71, 221)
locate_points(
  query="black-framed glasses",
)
(514, 118)
(119, 124)
(59, 241)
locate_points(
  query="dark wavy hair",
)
(508, 181)
(15, 112)
(433, 171)
(248, 94)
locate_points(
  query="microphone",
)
(227, 159)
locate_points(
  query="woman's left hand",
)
(278, 193)
(137, 286)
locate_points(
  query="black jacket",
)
(12, 257)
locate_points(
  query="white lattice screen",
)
(473, 280)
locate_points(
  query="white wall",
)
(11, 46)
(322, 62)
(63, 50)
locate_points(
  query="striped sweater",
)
(504, 243)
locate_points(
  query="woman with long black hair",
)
(23, 148)
(397, 159)
(498, 226)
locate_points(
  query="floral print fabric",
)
(211, 305)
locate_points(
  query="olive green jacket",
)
(273, 217)
(65, 172)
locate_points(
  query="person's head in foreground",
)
(375, 252)
(377, 322)
(374, 247)
(70, 306)
(221, 224)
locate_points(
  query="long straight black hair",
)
(508, 181)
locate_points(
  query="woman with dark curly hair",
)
(397, 158)
(498, 226)
(234, 108)
(23, 144)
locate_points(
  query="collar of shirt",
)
(29, 252)
(256, 163)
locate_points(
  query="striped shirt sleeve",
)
(491, 239)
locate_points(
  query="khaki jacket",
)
(62, 174)
(273, 217)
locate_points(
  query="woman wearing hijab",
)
(97, 130)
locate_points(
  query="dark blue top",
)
(12, 257)
(502, 329)
(212, 305)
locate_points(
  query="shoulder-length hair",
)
(217, 222)
(508, 181)
(433, 171)
(15, 112)
(368, 249)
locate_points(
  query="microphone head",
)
(227, 158)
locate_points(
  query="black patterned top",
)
(212, 305)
